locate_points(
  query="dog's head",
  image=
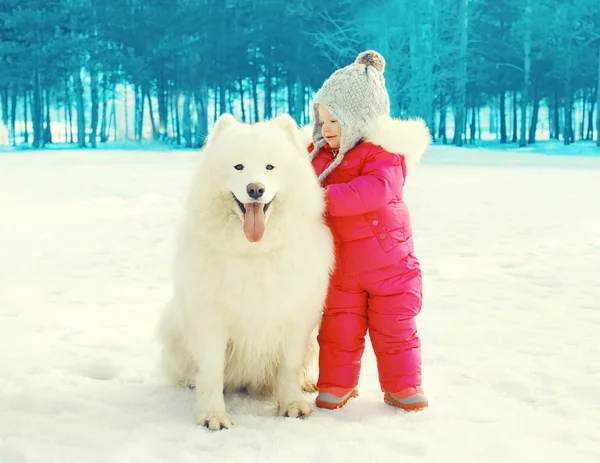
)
(256, 169)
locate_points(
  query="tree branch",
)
(509, 65)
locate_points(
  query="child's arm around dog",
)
(382, 177)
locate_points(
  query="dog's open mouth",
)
(254, 219)
(243, 208)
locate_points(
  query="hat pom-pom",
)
(371, 58)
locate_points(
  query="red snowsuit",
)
(376, 284)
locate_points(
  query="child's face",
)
(331, 130)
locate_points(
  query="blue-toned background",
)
(91, 71)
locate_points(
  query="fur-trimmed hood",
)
(409, 137)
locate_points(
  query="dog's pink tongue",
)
(254, 222)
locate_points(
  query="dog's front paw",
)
(309, 385)
(296, 409)
(214, 421)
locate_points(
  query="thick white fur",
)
(243, 315)
(408, 137)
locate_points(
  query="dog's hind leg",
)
(177, 364)
(176, 361)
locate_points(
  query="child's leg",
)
(395, 297)
(342, 334)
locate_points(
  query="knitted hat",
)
(355, 95)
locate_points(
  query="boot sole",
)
(413, 403)
(333, 405)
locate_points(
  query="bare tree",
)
(461, 74)
(598, 100)
(526, 71)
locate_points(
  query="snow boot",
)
(410, 399)
(334, 397)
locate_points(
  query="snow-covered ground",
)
(510, 247)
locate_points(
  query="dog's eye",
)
(270, 167)
(238, 167)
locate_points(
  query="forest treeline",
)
(67, 62)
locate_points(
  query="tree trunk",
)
(104, 117)
(36, 113)
(186, 120)
(515, 126)
(421, 60)
(242, 99)
(13, 116)
(268, 89)
(155, 134)
(556, 117)
(163, 108)
(175, 114)
(598, 102)
(472, 126)
(526, 73)
(583, 110)
(136, 118)
(493, 119)
(589, 135)
(291, 100)
(4, 105)
(94, 108)
(140, 104)
(569, 136)
(25, 119)
(458, 124)
(126, 115)
(461, 73)
(68, 111)
(442, 125)
(80, 110)
(201, 103)
(113, 116)
(222, 100)
(414, 60)
(299, 102)
(427, 38)
(230, 102)
(48, 126)
(142, 110)
(459, 106)
(303, 97)
(215, 106)
(534, 115)
(255, 98)
(432, 128)
(503, 130)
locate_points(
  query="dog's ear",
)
(289, 125)
(224, 121)
(286, 122)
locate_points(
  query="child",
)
(361, 155)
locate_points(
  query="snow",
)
(510, 248)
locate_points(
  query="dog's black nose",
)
(255, 190)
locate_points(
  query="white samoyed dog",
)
(251, 270)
